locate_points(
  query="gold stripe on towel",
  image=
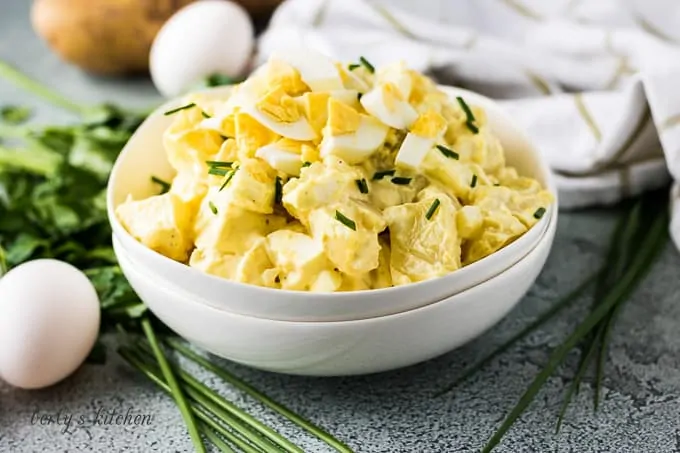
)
(670, 123)
(522, 9)
(587, 117)
(471, 42)
(539, 82)
(389, 17)
(320, 14)
(652, 29)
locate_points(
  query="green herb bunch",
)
(53, 205)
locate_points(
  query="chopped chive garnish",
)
(165, 186)
(228, 178)
(359, 96)
(400, 180)
(225, 138)
(362, 185)
(473, 128)
(219, 163)
(306, 164)
(451, 154)
(205, 115)
(433, 208)
(217, 171)
(473, 183)
(470, 117)
(539, 213)
(466, 108)
(178, 109)
(367, 65)
(496, 184)
(381, 174)
(349, 223)
(278, 190)
(212, 207)
(353, 66)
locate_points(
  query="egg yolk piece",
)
(342, 119)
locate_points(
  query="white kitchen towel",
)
(596, 83)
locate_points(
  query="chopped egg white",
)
(386, 103)
(316, 70)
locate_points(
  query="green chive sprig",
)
(473, 183)
(179, 109)
(230, 175)
(353, 66)
(212, 207)
(362, 185)
(432, 209)
(251, 391)
(539, 213)
(378, 175)
(175, 390)
(165, 186)
(448, 152)
(401, 180)
(217, 171)
(349, 223)
(278, 190)
(219, 164)
(469, 116)
(366, 64)
(306, 164)
(205, 115)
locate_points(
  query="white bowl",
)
(343, 347)
(144, 155)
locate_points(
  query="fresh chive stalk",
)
(349, 223)
(539, 212)
(10, 73)
(469, 116)
(205, 115)
(216, 440)
(306, 164)
(175, 390)
(473, 183)
(179, 109)
(447, 152)
(433, 208)
(649, 248)
(282, 410)
(367, 64)
(400, 180)
(381, 174)
(359, 95)
(218, 164)
(353, 66)
(212, 207)
(228, 179)
(278, 190)
(362, 185)
(3, 261)
(194, 385)
(218, 171)
(207, 423)
(165, 186)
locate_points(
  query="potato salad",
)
(314, 175)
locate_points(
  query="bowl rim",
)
(543, 223)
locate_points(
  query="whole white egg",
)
(49, 321)
(201, 39)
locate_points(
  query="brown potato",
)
(108, 37)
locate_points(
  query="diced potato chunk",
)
(161, 222)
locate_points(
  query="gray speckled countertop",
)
(389, 412)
